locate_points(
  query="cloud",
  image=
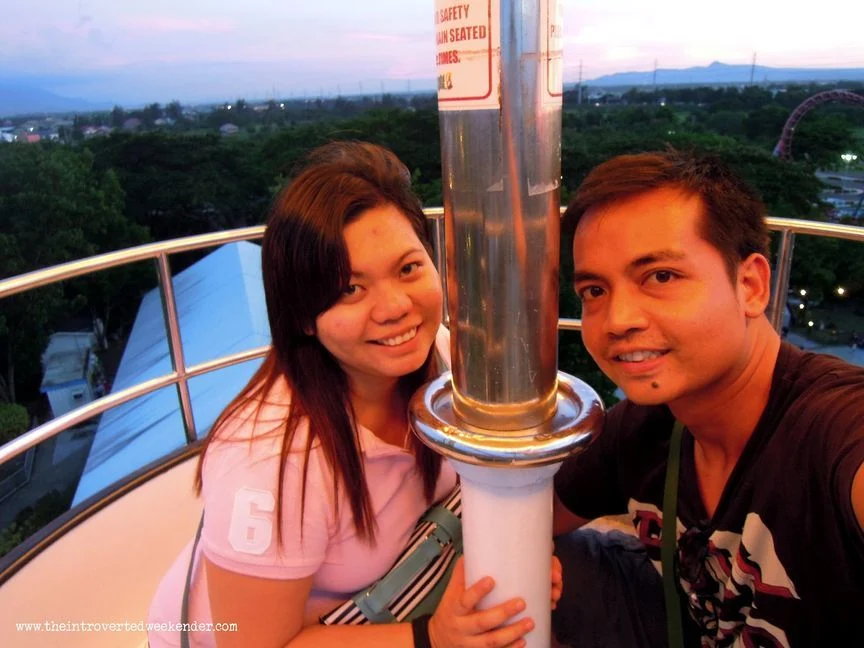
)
(83, 18)
(96, 37)
(177, 24)
(386, 38)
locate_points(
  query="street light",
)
(848, 158)
(803, 292)
(841, 290)
(810, 323)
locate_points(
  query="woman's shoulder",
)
(257, 415)
(252, 436)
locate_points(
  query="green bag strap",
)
(670, 540)
(373, 601)
(449, 527)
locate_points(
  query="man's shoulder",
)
(820, 379)
(815, 392)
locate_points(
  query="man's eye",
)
(589, 292)
(663, 276)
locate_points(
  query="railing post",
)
(439, 245)
(175, 344)
(781, 279)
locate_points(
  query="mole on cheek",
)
(655, 385)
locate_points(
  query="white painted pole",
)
(507, 533)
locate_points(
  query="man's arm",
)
(563, 521)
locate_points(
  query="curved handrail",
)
(72, 269)
(160, 251)
(816, 228)
(57, 425)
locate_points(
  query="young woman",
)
(311, 480)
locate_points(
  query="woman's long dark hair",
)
(306, 268)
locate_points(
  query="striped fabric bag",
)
(415, 583)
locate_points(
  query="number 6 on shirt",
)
(251, 532)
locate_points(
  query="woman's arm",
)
(270, 612)
(267, 611)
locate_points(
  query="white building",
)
(69, 367)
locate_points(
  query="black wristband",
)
(420, 631)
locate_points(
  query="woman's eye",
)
(410, 268)
(352, 289)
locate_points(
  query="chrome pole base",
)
(578, 416)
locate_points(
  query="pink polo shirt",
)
(239, 531)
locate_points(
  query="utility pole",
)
(655, 80)
(753, 68)
(579, 96)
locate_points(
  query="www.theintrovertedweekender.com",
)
(123, 626)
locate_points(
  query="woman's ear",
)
(754, 284)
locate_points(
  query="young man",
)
(670, 262)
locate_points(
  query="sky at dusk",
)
(133, 52)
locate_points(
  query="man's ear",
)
(754, 284)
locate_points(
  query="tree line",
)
(62, 201)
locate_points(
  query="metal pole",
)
(505, 406)
(501, 170)
(175, 344)
(435, 217)
(781, 279)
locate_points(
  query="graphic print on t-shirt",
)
(741, 572)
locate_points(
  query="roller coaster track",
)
(783, 149)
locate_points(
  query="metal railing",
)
(181, 374)
(159, 252)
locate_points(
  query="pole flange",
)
(578, 416)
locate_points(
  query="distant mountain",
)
(721, 73)
(16, 99)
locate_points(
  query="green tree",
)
(53, 208)
(177, 185)
(765, 124)
(150, 114)
(174, 110)
(821, 138)
(118, 116)
(14, 422)
(32, 518)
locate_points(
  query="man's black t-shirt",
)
(781, 563)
